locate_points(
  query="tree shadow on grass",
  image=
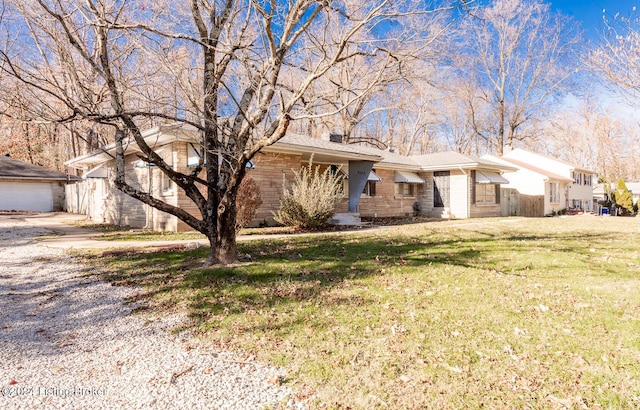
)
(311, 273)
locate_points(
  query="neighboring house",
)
(600, 195)
(28, 187)
(377, 183)
(634, 188)
(546, 185)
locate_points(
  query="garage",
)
(26, 196)
(28, 187)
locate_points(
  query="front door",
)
(441, 189)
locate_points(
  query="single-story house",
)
(378, 183)
(28, 187)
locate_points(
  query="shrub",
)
(248, 200)
(623, 198)
(312, 200)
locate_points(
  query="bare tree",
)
(517, 54)
(374, 98)
(592, 136)
(617, 58)
(104, 60)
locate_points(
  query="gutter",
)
(284, 148)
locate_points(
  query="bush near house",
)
(312, 199)
(249, 200)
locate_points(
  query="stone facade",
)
(386, 202)
(104, 203)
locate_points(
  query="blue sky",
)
(590, 12)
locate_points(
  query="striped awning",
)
(406, 177)
(374, 177)
(485, 177)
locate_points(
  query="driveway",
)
(69, 341)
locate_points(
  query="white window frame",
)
(166, 184)
(554, 192)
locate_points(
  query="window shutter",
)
(497, 194)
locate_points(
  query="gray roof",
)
(304, 144)
(437, 161)
(13, 169)
(323, 149)
(451, 158)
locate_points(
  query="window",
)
(576, 204)
(369, 189)
(577, 178)
(166, 182)
(587, 179)
(405, 190)
(485, 194)
(554, 193)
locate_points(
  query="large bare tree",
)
(593, 135)
(617, 58)
(517, 54)
(236, 70)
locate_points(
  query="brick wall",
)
(268, 174)
(385, 203)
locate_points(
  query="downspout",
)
(468, 199)
(149, 224)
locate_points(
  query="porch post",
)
(358, 176)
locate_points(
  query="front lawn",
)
(515, 313)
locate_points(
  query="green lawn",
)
(515, 313)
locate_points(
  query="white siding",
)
(459, 195)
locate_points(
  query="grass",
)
(516, 313)
(124, 234)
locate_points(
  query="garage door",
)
(26, 196)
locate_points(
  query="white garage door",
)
(26, 196)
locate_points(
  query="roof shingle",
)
(13, 169)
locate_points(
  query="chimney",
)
(333, 137)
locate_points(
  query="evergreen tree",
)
(623, 198)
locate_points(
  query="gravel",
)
(68, 341)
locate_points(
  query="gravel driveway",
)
(68, 341)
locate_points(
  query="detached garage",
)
(28, 187)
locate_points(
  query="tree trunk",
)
(224, 249)
(500, 142)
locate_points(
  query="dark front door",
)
(441, 189)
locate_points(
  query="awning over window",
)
(374, 177)
(485, 177)
(97, 172)
(406, 177)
